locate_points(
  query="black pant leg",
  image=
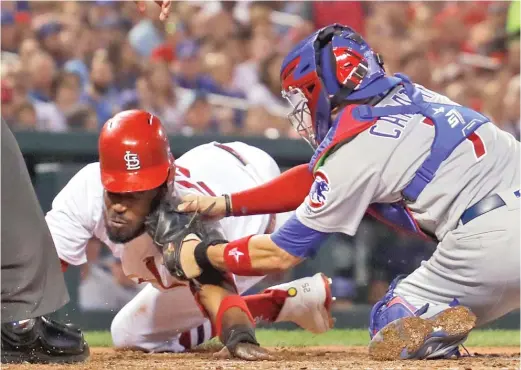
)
(32, 281)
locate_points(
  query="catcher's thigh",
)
(478, 263)
(154, 320)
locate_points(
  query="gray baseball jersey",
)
(378, 163)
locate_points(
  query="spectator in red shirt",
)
(343, 12)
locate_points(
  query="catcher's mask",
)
(329, 68)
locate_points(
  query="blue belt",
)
(483, 206)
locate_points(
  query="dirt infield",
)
(303, 358)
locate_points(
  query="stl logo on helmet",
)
(319, 191)
(132, 161)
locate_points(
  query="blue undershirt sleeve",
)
(297, 239)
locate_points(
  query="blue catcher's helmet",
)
(331, 66)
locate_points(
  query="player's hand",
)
(245, 351)
(196, 203)
(165, 8)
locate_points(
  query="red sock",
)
(266, 306)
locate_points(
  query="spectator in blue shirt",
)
(188, 69)
(49, 36)
(41, 74)
(199, 117)
(100, 93)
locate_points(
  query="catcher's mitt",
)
(169, 228)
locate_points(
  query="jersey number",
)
(478, 144)
(476, 141)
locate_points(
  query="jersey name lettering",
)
(398, 121)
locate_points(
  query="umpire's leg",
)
(32, 281)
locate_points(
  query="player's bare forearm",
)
(232, 321)
(211, 297)
(265, 257)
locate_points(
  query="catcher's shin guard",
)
(398, 331)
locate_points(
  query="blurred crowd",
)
(213, 67)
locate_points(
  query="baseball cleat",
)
(308, 303)
(414, 337)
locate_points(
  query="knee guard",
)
(391, 308)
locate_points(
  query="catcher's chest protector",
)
(453, 124)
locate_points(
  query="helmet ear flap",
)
(328, 69)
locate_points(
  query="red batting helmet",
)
(134, 153)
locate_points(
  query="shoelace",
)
(466, 350)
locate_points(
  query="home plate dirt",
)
(301, 358)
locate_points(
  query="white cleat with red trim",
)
(308, 303)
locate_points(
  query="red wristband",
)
(227, 303)
(237, 258)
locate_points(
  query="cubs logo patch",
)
(319, 191)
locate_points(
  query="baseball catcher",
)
(406, 155)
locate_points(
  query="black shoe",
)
(42, 340)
